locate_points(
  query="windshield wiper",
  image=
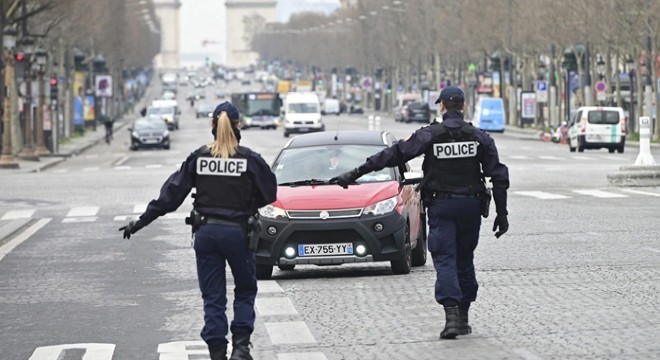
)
(306, 182)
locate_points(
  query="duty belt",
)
(451, 195)
(217, 220)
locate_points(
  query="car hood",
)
(325, 197)
(304, 116)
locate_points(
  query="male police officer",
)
(457, 157)
(232, 182)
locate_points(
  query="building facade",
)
(244, 18)
(168, 15)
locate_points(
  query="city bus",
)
(258, 109)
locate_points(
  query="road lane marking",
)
(302, 356)
(61, 171)
(92, 351)
(17, 240)
(125, 217)
(69, 220)
(652, 250)
(577, 157)
(121, 160)
(638, 192)
(139, 208)
(600, 194)
(519, 157)
(548, 157)
(527, 354)
(179, 350)
(269, 286)
(122, 167)
(18, 214)
(275, 306)
(90, 169)
(83, 211)
(290, 332)
(176, 216)
(154, 166)
(542, 195)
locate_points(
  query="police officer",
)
(231, 183)
(457, 157)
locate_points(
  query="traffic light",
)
(53, 88)
(19, 56)
(570, 60)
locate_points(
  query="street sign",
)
(601, 86)
(541, 91)
(601, 96)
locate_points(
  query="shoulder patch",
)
(221, 167)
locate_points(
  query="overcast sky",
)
(205, 20)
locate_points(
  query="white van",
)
(301, 113)
(595, 127)
(331, 106)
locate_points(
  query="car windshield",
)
(149, 124)
(303, 108)
(608, 117)
(160, 110)
(262, 104)
(325, 162)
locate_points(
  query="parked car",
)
(417, 111)
(331, 106)
(204, 109)
(314, 221)
(595, 127)
(149, 133)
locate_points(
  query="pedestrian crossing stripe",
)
(83, 211)
(600, 194)
(18, 214)
(541, 195)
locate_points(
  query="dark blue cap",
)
(227, 107)
(451, 94)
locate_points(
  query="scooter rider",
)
(231, 183)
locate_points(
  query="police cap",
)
(227, 107)
(451, 94)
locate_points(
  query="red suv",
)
(313, 221)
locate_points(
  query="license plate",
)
(593, 137)
(304, 129)
(325, 249)
(150, 141)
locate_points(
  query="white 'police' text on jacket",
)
(455, 150)
(221, 167)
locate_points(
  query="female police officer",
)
(231, 183)
(456, 157)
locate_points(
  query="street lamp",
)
(7, 160)
(630, 62)
(28, 152)
(42, 58)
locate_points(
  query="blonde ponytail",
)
(225, 143)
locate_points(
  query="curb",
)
(636, 175)
(13, 227)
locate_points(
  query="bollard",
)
(377, 123)
(645, 157)
(371, 122)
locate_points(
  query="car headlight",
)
(272, 212)
(166, 134)
(382, 207)
(135, 134)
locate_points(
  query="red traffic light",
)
(20, 56)
(53, 81)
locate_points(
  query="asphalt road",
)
(576, 277)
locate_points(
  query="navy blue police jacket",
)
(177, 187)
(420, 142)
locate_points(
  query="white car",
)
(595, 127)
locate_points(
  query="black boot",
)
(451, 323)
(463, 327)
(241, 347)
(218, 353)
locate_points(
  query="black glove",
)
(347, 178)
(131, 228)
(502, 223)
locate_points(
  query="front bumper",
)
(384, 245)
(150, 142)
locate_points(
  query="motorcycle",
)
(560, 135)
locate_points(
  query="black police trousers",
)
(453, 236)
(216, 244)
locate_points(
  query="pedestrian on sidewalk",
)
(108, 123)
(231, 183)
(457, 158)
